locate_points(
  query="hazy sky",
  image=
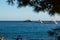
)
(8, 12)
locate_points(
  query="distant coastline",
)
(38, 21)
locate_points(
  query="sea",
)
(20, 30)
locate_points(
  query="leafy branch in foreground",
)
(55, 33)
(52, 6)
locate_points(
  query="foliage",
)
(51, 33)
(52, 6)
(55, 32)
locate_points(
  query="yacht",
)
(41, 21)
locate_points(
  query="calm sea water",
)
(27, 30)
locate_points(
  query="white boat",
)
(40, 21)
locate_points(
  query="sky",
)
(8, 12)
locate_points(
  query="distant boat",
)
(40, 21)
(56, 22)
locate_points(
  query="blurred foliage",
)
(55, 32)
(51, 33)
(52, 6)
(58, 38)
